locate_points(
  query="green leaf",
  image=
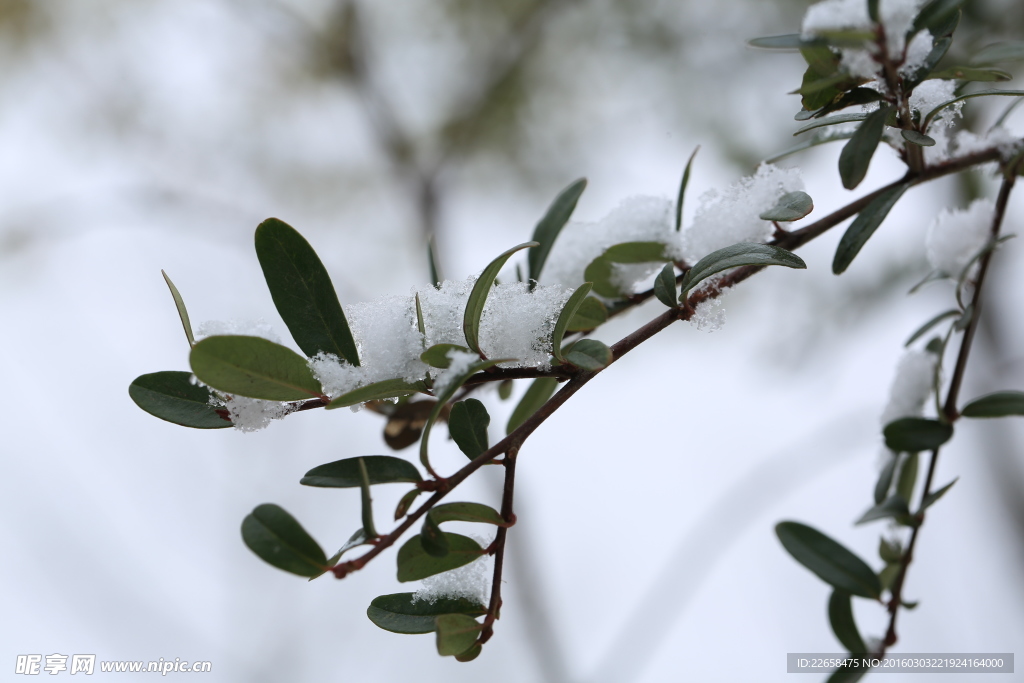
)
(505, 389)
(832, 562)
(934, 496)
(253, 367)
(939, 50)
(830, 121)
(791, 206)
(875, 17)
(478, 297)
(915, 138)
(467, 424)
(566, 316)
(999, 404)
(885, 479)
(419, 316)
(589, 354)
(981, 93)
(682, 190)
(599, 273)
(591, 313)
(179, 303)
(402, 509)
(398, 612)
(742, 254)
(435, 270)
(856, 155)
(894, 507)
(888, 575)
(789, 42)
(369, 528)
(934, 15)
(466, 512)
(966, 73)
(850, 98)
(636, 252)
(864, 226)
(913, 434)
(908, 477)
(551, 224)
(456, 633)
(280, 540)
(890, 552)
(665, 286)
(921, 331)
(414, 563)
(388, 388)
(171, 396)
(540, 390)
(432, 538)
(470, 654)
(840, 616)
(813, 142)
(345, 474)
(302, 292)
(437, 355)
(1009, 51)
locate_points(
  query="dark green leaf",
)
(551, 224)
(908, 477)
(437, 355)
(885, 479)
(388, 388)
(541, 389)
(789, 42)
(665, 286)
(171, 396)
(936, 346)
(832, 562)
(599, 273)
(456, 633)
(921, 331)
(478, 297)
(414, 563)
(402, 509)
(682, 190)
(915, 138)
(591, 313)
(432, 538)
(875, 17)
(864, 226)
(966, 73)
(179, 303)
(467, 424)
(830, 121)
(851, 98)
(819, 91)
(999, 404)
(566, 316)
(355, 540)
(939, 49)
(253, 367)
(821, 61)
(813, 142)
(302, 291)
(981, 93)
(345, 474)
(845, 37)
(369, 528)
(470, 654)
(419, 316)
(890, 552)
(505, 389)
(934, 496)
(435, 269)
(466, 512)
(791, 206)
(1009, 51)
(913, 434)
(589, 354)
(280, 540)
(398, 612)
(934, 15)
(840, 616)
(891, 508)
(636, 252)
(742, 254)
(856, 155)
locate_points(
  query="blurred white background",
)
(141, 136)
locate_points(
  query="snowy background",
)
(158, 135)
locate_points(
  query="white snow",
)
(471, 581)
(731, 216)
(911, 386)
(918, 49)
(460, 363)
(931, 94)
(252, 414)
(517, 323)
(968, 142)
(956, 236)
(709, 315)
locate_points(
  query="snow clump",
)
(956, 237)
(471, 581)
(911, 386)
(931, 94)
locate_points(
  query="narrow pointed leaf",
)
(864, 226)
(171, 396)
(934, 496)
(456, 633)
(813, 142)
(893, 507)
(467, 424)
(478, 297)
(791, 206)
(934, 14)
(913, 434)
(437, 355)
(919, 139)
(388, 388)
(414, 563)
(938, 51)
(856, 155)
(999, 404)
(682, 190)
(830, 121)
(908, 477)
(419, 316)
(566, 315)
(435, 270)
(179, 303)
(402, 509)
(874, 15)
(591, 313)
(1009, 51)
(278, 539)
(966, 73)
(303, 292)
(981, 93)
(832, 562)
(742, 254)
(536, 395)
(253, 367)
(466, 512)
(589, 354)
(840, 616)
(923, 330)
(367, 501)
(789, 42)
(665, 286)
(345, 474)
(885, 479)
(399, 613)
(551, 224)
